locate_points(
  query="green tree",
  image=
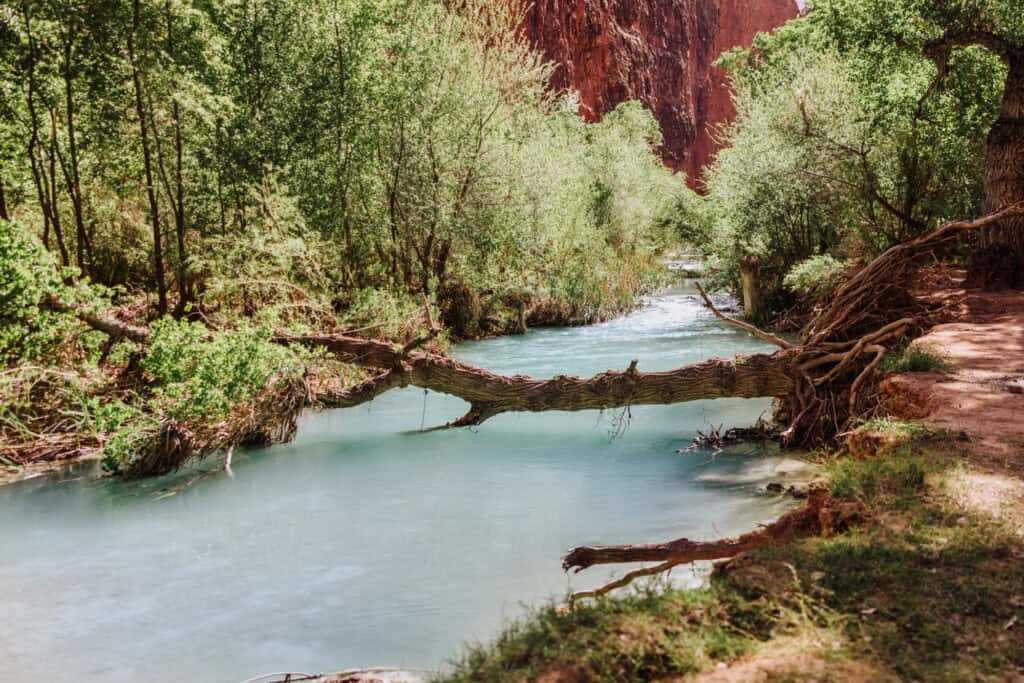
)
(950, 34)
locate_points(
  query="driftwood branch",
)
(803, 521)
(820, 515)
(625, 580)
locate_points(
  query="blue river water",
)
(367, 542)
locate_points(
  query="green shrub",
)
(815, 276)
(124, 445)
(28, 276)
(202, 376)
(199, 376)
(912, 358)
(392, 314)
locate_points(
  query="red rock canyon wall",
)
(657, 51)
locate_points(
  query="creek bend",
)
(366, 542)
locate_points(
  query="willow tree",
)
(950, 34)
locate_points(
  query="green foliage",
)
(849, 137)
(202, 376)
(29, 276)
(816, 276)
(198, 378)
(912, 358)
(304, 151)
(387, 314)
(124, 445)
(106, 416)
(898, 474)
(767, 189)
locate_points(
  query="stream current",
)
(366, 542)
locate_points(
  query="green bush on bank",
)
(29, 275)
(200, 376)
(197, 377)
(815, 276)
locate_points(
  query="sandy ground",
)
(982, 395)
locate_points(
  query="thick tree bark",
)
(3, 202)
(750, 279)
(999, 261)
(54, 206)
(178, 197)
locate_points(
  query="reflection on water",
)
(365, 542)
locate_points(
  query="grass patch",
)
(895, 478)
(903, 430)
(912, 358)
(929, 597)
(646, 634)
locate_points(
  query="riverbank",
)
(927, 587)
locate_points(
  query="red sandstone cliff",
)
(657, 51)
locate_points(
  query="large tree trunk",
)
(999, 261)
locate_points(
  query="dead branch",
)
(821, 515)
(110, 326)
(802, 522)
(624, 581)
(746, 327)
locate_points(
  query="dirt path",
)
(980, 398)
(982, 395)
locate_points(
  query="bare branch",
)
(746, 327)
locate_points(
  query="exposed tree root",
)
(625, 580)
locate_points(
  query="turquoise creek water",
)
(366, 542)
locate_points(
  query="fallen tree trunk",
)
(115, 329)
(820, 380)
(490, 394)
